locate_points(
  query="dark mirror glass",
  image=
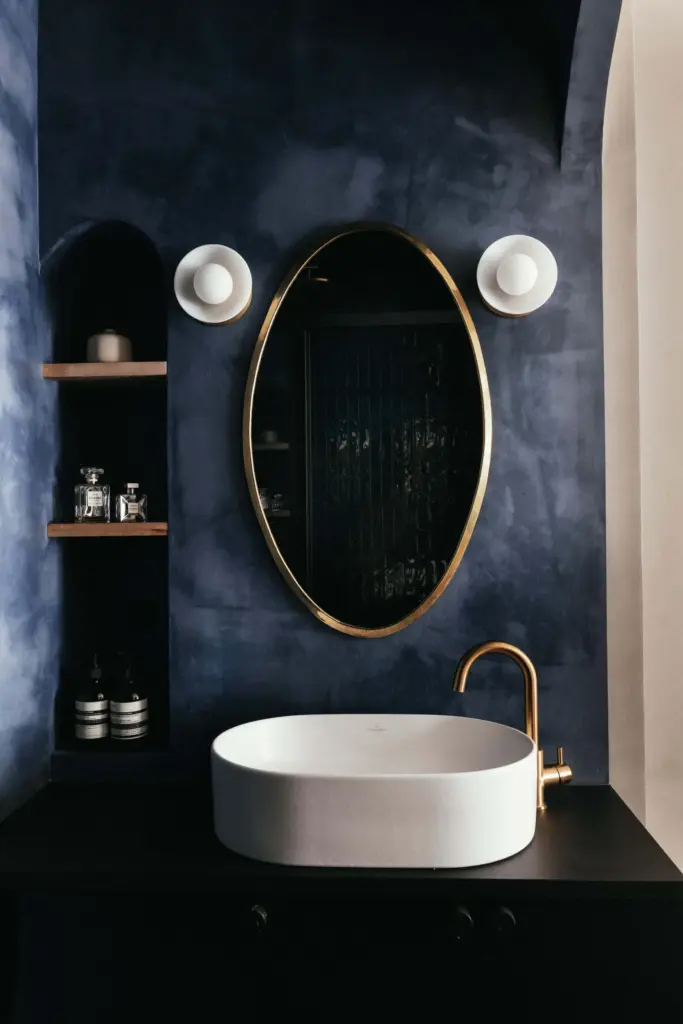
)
(368, 430)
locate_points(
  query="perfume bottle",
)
(278, 504)
(91, 706)
(131, 507)
(92, 503)
(128, 706)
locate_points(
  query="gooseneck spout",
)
(547, 775)
(528, 672)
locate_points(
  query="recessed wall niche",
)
(114, 589)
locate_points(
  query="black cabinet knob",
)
(504, 922)
(462, 924)
(258, 918)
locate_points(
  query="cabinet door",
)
(133, 957)
(579, 955)
(368, 958)
(627, 951)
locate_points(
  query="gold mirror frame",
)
(248, 451)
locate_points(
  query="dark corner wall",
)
(28, 571)
(253, 124)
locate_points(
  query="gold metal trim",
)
(498, 312)
(248, 452)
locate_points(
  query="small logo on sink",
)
(376, 728)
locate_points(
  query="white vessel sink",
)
(374, 790)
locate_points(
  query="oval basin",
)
(404, 791)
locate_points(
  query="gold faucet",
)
(548, 775)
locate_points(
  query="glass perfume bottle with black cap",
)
(91, 706)
(128, 704)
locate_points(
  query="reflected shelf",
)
(387, 318)
(276, 446)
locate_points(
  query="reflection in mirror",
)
(368, 430)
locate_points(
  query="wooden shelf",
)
(107, 529)
(103, 371)
(388, 318)
(276, 446)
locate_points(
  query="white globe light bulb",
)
(213, 283)
(517, 273)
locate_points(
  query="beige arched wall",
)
(622, 428)
(643, 260)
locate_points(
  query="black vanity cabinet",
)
(127, 908)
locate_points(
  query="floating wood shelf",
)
(107, 529)
(276, 446)
(103, 371)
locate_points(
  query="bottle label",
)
(92, 706)
(90, 731)
(124, 733)
(132, 508)
(95, 499)
(128, 707)
(134, 718)
(129, 718)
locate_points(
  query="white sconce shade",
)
(516, 275)
(213, 284)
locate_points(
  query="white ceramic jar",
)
(109, 347)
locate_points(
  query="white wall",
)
(643, 223)
(622, 429)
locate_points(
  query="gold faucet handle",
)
(563, 769)
(560, 772)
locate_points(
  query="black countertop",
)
(123, 836)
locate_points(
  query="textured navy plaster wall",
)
(252, 124)
(28, 574)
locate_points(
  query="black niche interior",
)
(115, 589)
(368, 428)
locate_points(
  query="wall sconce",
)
(213, 284)
(516, 275)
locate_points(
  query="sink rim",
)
(372, 776)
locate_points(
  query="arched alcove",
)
(106, 275)
(114, 589)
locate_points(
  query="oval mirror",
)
(367, 429)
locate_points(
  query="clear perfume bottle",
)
(92, 501)
(131, 507)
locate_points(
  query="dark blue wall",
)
(28, 576)
(252, 124)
